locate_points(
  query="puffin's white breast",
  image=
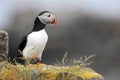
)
(36, 42)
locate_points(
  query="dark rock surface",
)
(3, 45)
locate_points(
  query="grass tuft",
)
(82, 61)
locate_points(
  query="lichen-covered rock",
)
(47, 72)
(3, 45)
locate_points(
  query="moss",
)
(46, 72)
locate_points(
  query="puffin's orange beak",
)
(54, 21)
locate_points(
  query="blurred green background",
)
(85, 27)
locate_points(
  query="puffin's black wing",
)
(22, 43)
(19, 58)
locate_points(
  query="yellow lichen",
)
(46, 72)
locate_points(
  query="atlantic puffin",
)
(33, 44)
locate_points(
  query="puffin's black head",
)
(44, 18)
(47, 17)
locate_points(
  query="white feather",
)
(36, 42)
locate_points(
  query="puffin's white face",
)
(48, 18)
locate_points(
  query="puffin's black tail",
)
(19, 58)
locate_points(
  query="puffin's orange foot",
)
(38, 63)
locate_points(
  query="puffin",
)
(32, 45)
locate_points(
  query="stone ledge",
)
(3, 45)
(47, 72)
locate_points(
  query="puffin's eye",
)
(49, 15)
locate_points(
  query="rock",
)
(3, 45)
(47, 72)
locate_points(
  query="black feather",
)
(22, 43)
(19, 58)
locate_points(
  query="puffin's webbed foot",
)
(35, 61)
